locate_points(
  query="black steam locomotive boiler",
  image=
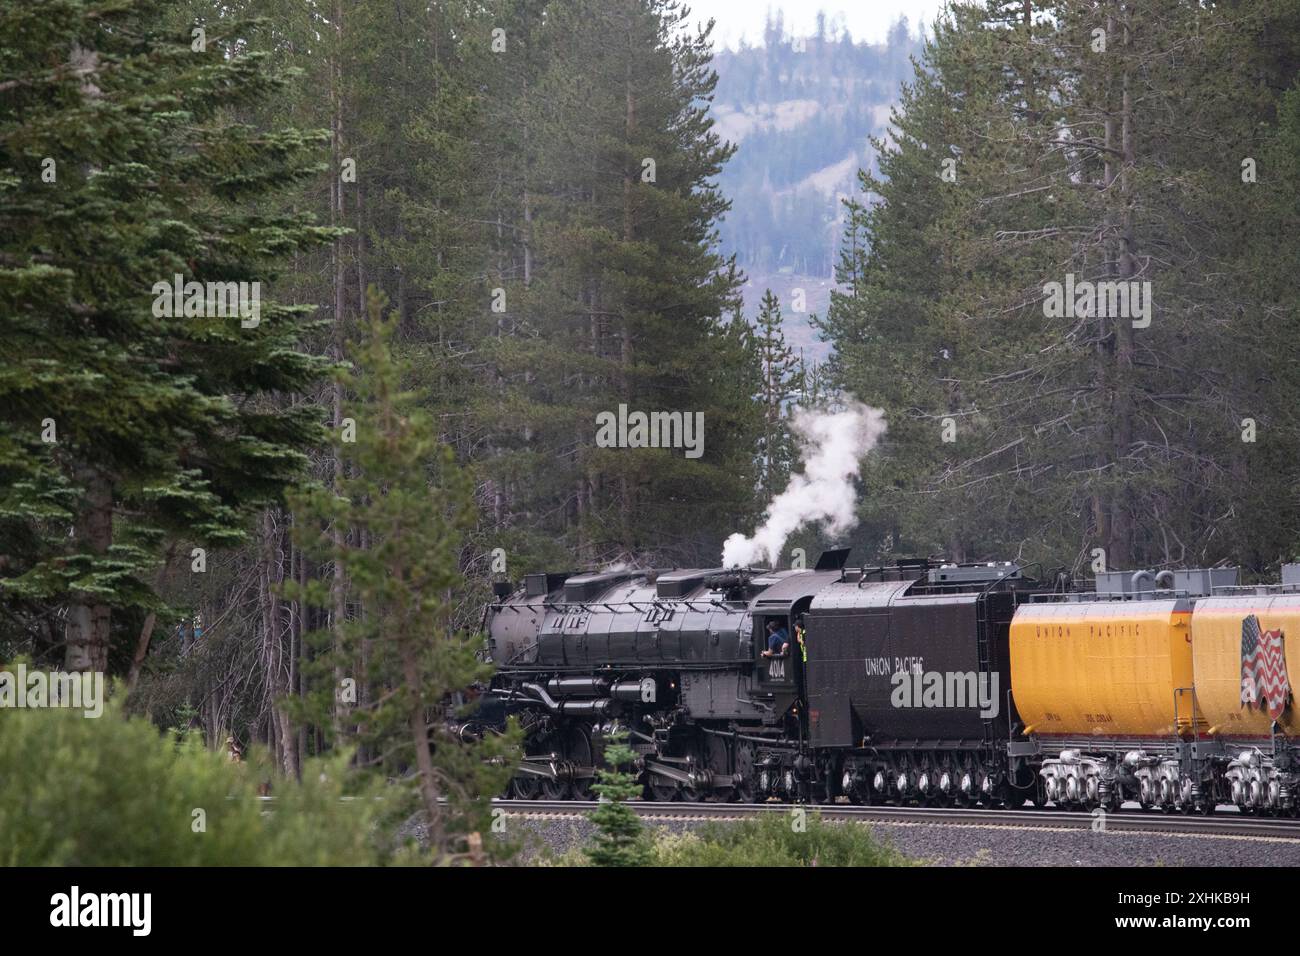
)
(897, 691)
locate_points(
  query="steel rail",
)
(1128, 821)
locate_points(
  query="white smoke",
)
(831, 447)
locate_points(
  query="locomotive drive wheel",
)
(717, 759)
(661, 789)
(698, 750)
(581, 756)
(524, 787)
(744, 764)
(554, 789)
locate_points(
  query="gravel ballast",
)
(982, 845)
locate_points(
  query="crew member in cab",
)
(799, 639)
(778, 640)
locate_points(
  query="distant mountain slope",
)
(802, 112)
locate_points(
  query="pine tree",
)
(782, 384)
(626, 290)
(408, 500)
(621, 839)
(1074, 139)
(129, 428)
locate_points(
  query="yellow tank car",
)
(1103, 668)
(1217, 651)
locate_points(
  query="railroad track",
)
(1134, 821)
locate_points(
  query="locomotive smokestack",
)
(831, 447)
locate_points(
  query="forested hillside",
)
(802, 111)
(1041, 148)
(525, 188)
(311, 311)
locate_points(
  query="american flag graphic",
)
(1263, 669)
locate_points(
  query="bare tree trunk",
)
(625, 356)
(300, 680)
(280, 728)
(420, 737)
(1122, 513)
(146, 631)
(337, 533)
(90, 621)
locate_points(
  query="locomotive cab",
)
(784, 598)
(776, 668)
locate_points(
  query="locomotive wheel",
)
(525, 787)
(580, 754)
(554, 789)
(717, 758)
(744, 766)
(700, 754)
(661, 789)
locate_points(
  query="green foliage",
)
(113, 791)
(122, 164)
(409, 507)
(614, 291)
(782, 384)
(621, 840)
(1017, 433)
(772, 840)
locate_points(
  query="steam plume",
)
(831, 447)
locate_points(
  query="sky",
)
(865, 19)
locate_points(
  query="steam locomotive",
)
(921, 682)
